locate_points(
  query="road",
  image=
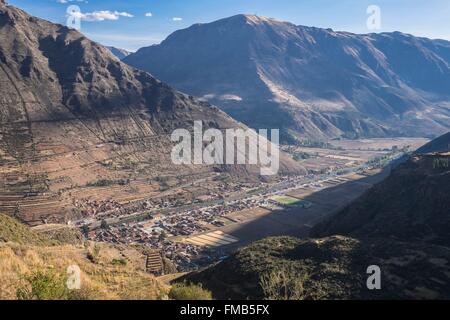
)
(291, 183)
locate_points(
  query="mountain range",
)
(312, 83)
(71, 115)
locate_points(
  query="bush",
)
(47, 285)
(283, 284)
(183, 291)
(104, 225)
(119, 262)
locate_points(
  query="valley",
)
(198, 222)
(110, 174)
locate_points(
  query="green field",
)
(286, 200)
(291, 201)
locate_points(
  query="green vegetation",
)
(317, 144)
(290, 268)
(47, 285)
(104, 225)
(183, 291)
(298, 156)
(108, 182)
(286, 200)
(119, 262)
(85, 230)
(281, 285)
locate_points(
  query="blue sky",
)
(429, 18)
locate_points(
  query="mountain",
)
(438, 145)
(119, 53)
(412, 204)
(400, 225)
(314, 83)
(74, 120)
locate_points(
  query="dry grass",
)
(101, 280)
(25, 252)
(12, 230)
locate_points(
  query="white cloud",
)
(177, 19)
(101, 15)
(149, 14)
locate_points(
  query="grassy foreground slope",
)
(107, 272)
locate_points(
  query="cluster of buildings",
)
(156, 230)
(154, 233)
(89, 208)
(184, 255)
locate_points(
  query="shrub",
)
(283, 284)
(119, 262)
(104, 225)
(183, 291)
(85, 230)
(47, 285)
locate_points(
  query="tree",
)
(85, 230)
(104, 224)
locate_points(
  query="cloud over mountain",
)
(101, 15)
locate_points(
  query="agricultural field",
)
(341, 154)
(286, 200)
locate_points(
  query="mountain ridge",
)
(72, 114)
(311, 82)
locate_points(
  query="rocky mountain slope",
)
(438, 145)
(314, 83)
(400, 225)
(412, 204)
(71, 115)
(119, 53)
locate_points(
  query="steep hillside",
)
(314, 83)
(438, 145)
(329, 268)
(71, 115)
(13, 231)
(412, 204)
(107, 271)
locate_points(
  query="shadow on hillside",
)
(298, 222)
